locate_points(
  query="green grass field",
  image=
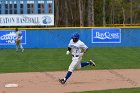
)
(130, 90)
(35, 60)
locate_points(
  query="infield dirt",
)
(88, 80)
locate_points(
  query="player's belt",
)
(75, 55)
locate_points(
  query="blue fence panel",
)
(59, 38)
(131, 37)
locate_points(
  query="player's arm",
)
(85, 50)
(68, 51)
(69, 48)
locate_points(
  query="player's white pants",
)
(20, 45)
(76, 63)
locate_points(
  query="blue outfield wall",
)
(59, 38)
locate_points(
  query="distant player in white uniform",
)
(77, 48)
(19, 40)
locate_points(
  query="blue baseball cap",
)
(75, 35)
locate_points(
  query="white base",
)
(11, 85)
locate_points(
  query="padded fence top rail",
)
(68, 28)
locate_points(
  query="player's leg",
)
(17, 45)
(21, 47)
(90, 62)
(71, 69)
(83, 64)
(79, 63)
(63, 81)
(72, 66)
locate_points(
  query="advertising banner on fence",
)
(106, 35)
(27, 20)
(8, 37)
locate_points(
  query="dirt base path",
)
(47, 82)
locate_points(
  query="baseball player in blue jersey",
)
(77, 48)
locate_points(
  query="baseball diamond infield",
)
(88, 80)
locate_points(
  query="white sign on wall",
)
(27, 20)
(8, 37)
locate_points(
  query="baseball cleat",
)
(92, 63)
(62, 81)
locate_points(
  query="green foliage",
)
(116, 12)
